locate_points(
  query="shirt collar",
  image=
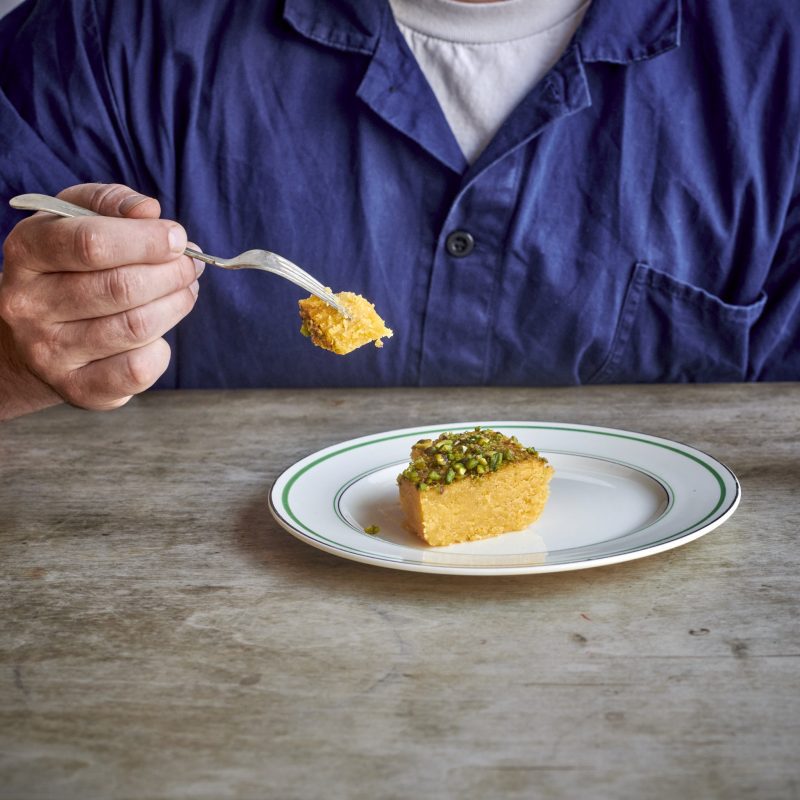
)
(619, 31)
(353, 25)
(623, 31)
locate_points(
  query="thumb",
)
(112, 200)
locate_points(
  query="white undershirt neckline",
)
(481, 59)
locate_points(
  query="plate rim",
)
(303, 464)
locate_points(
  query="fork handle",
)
(44, 202)
(200, 256)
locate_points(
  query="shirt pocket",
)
(671, 331)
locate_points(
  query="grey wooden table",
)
(162, 637)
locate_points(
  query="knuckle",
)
(15, 306)
(107, 197)
(34, 241)
(41, 354)
(15, 249)
(89, 246)
(79, 388)
(122, 287)
(72, 388)
(135, 326)
(139, 372)
(60, 337)
(103, 191)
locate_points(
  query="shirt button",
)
(460, 244)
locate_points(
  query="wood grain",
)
(162, 637)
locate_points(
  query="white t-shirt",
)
(481, 59)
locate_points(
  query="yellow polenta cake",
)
(472, 485)
(331, 330)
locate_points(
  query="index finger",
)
(81, 244)
(112, 200)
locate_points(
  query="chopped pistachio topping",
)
(456, 456)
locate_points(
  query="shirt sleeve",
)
(58, 121)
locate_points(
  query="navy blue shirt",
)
(637, 217)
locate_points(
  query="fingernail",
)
(177, 239)
(194, 288)
(130, 202)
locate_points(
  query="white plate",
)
(615, 496)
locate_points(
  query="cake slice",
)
(472, 485)
(332, 331)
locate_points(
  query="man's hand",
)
(85, 302)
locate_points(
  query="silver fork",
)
(250, 259)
